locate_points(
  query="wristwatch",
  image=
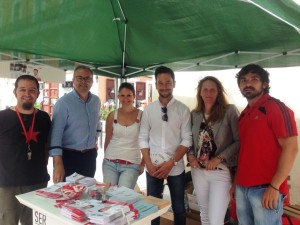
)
(174, 161)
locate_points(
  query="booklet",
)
(160, 203)
(76, 178)
(123, 220)
(53, 191)
(123, 194)
(145, 208)
(62, 191)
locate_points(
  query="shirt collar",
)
(171, 102)
(77, 96)
(259, 102)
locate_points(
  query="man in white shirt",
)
(165, 136)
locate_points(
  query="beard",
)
(253, 94)
(165, 95)
(27, 105)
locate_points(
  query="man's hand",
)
(164, 170)
(58, 169)
(269, 198)
(151, 168)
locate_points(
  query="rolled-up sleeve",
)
(144, 131)
(57, 128)
(186, 130)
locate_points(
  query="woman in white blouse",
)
(122, 158)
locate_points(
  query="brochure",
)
(94, 210)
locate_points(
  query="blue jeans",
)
(120, 174)
(176, 185)
(250, 210)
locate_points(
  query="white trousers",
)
(212, 193)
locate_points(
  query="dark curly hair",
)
(254, 68)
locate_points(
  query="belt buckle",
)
(203, 166)
(117, 161)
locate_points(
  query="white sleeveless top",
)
(124, 142)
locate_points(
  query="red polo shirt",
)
(260, 127)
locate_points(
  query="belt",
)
(203, 166)
(218, 168)
(260, 186)
(77, 151)
(120, 161)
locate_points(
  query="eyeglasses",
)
(84, 79)
(165, 115)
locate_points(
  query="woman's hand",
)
(193, 161)
(213, 163)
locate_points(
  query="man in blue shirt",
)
(74, 130)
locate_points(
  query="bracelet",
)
(273, 187)
(220, 157)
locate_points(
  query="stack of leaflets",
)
(62, 191)
(160, 203)
(124, 220)
(76, 178)
(157, 158)
(131, 207)
(73, 213)
(121, 220)
(60, 204)
(53, 191)
(123, 194)
(71, 191)
(145, 208)
(98, 212)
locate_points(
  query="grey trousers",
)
(11, 210)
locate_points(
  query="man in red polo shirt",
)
(268, 147)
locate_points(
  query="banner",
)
(43, 73)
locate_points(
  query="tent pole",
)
(124, 41)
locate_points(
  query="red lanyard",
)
(28, 134)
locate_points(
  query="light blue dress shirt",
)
(75, 123)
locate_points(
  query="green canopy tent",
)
(126, 38)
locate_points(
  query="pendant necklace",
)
(28, 134)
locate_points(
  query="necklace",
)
(28, 134)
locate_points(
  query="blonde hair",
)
(219, 108)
